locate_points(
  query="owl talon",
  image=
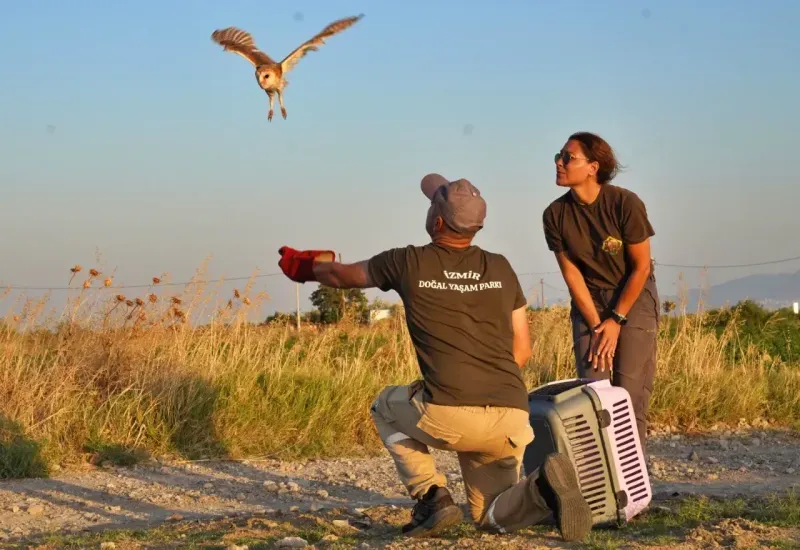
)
(269, 116)
(283, 112)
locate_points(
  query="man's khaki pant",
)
(489, 441)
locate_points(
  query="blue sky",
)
(125, 130)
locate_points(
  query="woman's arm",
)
(639, 255)
(637, 231)
(578, 289)
(599, 358)
(609, 330)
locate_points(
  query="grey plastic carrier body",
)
(593, 423)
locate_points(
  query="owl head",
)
(267, 77)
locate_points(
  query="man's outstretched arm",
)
(338, 275)
(381, 271)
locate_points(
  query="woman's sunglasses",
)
(567, 156)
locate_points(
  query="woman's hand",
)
(604, 344)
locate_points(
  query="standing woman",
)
(600, 235)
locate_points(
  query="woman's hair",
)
(598, 150)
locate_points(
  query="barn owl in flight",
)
(271, 75)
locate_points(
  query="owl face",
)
(266, 77)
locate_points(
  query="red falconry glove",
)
(298, 264)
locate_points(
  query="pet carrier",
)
(593, 423)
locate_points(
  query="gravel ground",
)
(717, 464)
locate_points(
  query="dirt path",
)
(151, 494)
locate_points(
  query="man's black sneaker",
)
(433, 514)
(559, 487)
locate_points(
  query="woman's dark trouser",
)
(634, 359)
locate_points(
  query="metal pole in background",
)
(297, 301)
(544, 304)
(343, 302)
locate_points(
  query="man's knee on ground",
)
(483, 518)
(482, 512)
(477, 513)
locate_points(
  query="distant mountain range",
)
(772, 291)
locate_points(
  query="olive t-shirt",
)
(458, 306)
(594, 237)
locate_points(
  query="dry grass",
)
(115, 375)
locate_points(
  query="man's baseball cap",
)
(460, 203)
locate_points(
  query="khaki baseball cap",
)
(460, 203)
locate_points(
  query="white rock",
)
(292, 542)
(271, 486)
(341, 523)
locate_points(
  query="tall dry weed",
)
(117, 375)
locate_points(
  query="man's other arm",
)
(522, 336)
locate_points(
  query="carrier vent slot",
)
(597, 492)
(625, 446)
(625, 433)
(589, 465)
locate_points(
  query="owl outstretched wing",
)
(311, 45)
(239, 41)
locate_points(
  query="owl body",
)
(271, 75)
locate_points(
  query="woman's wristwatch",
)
(620, 319)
